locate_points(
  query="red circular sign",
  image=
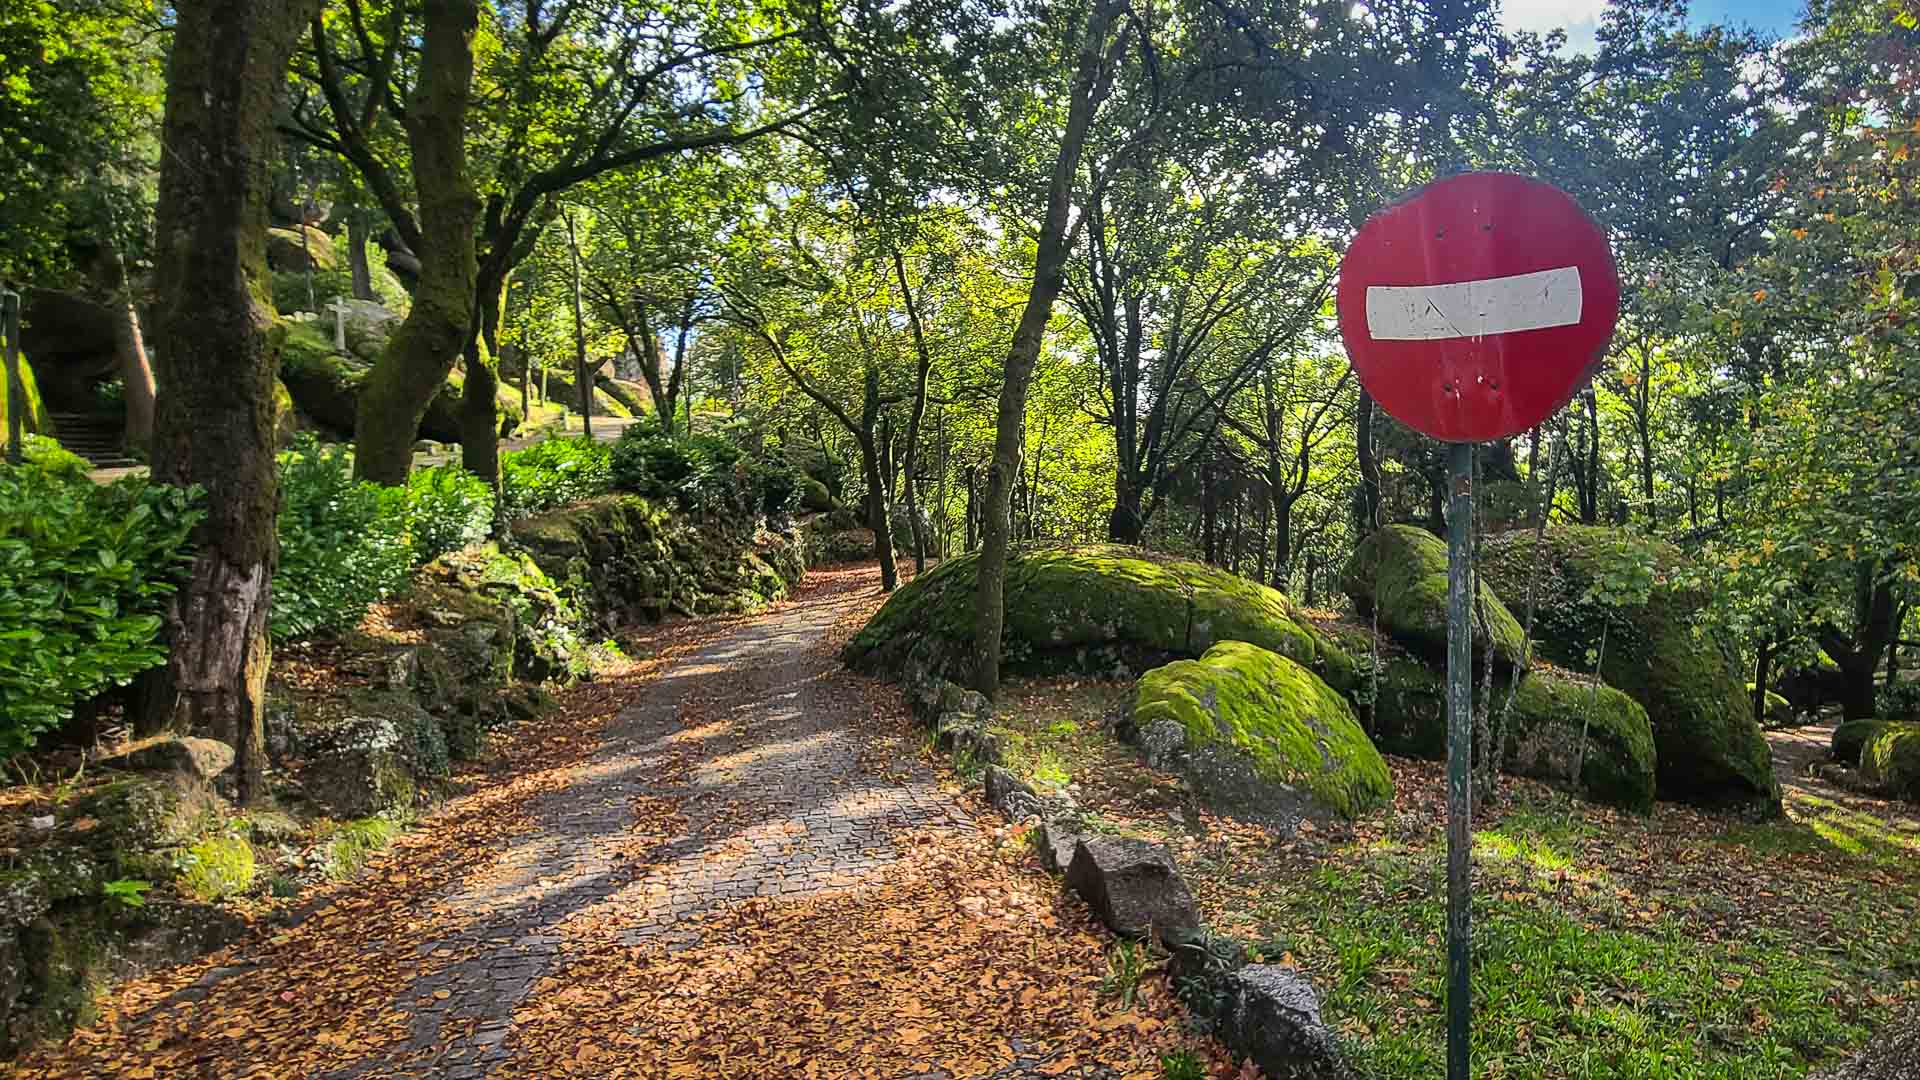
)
(1477, 306)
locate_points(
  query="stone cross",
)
(339, 308)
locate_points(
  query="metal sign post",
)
(1459, 757)
(1472, 310)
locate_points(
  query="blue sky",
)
(1580, 17)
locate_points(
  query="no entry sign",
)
(1477, 306)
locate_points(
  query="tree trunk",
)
(910, 459)
(1369, 502)
(1762, 675)
(435, 334)
(1126, 524)
(479, 406)
(1049, 273)
(130, 349)
(217, 345)
(973, 508)
(583, 387)
(361, 269)
(877, 514)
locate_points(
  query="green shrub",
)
(1901, 701)
(40, 452)
(447, 509)
(343, 543)
(216, 868)
(704, 473)
(84, 576)
(555, 473)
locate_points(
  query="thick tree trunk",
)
(1126, 524)
(479, 407)
(435, 334)
(1049, 274)
(217, 345)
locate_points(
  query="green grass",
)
(1827, 828)
(356, 842)
(1556, 995)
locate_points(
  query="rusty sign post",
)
(1473, 310)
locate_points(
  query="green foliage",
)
(1182, 1064)
(343, 543)
(1127, 963)
(447, 508)
(84, 576)
(356, 842)
(705, 473)
(216, 868)
(554, 473)
(127, 892)
(47, 455)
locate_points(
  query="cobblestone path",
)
(772, 800)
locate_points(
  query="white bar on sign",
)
(1467, 309)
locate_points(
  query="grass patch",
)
(1677, 945)
(355, 842)
(1555, 996)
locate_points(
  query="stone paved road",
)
(774, 801)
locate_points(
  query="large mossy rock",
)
(1850, 738)
(1401, 573)
(1250, 720)
(1549, 718)
(288, 251)
(1098, 608)
(1890, 760)
(1710, 748)
(325, 388)
(641, 563)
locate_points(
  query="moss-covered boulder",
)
(1097, 608)
(1710, 748)
(1583, 736)
(325, 388)
(639, 562)
(1853, 736)
(1544, 726)
(1890, 760)
(295, 249)
(1251, 722)
(1401, 573)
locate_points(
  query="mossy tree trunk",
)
(479, 407)
(1090, 85)
(217, 347)
(441, 322)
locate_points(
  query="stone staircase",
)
(101, 439)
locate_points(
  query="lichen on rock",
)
(1293, 730)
